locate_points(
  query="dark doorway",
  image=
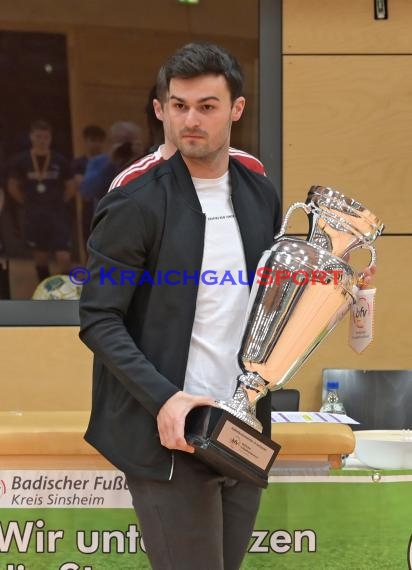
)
(33, 85)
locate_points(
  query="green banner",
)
(52, 520)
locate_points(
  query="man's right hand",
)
(171, 419)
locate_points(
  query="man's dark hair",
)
(40, 125)
(201, 58)
(155, 125)
(94, 132)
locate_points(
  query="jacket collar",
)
(243, 189)
(184, 187)
(243, 204)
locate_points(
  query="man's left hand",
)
(367, 276)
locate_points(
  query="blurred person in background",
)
(94, 138)
(125, 143)
(40, 181)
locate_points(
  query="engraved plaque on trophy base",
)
(230, 446)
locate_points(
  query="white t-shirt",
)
(212, 367)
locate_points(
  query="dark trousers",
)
(197, 521)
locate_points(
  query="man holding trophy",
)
(164, 349)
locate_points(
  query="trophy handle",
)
(371, 262)
(292, 208)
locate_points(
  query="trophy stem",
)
(251, 388)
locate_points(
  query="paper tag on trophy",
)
(361, 322)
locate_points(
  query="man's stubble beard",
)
(192, 150)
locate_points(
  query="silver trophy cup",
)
(305, 290)
(302, 290)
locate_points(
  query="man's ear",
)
(237, 108)
(158, 109)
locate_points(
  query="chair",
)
(285, 400)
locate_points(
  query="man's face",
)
(40, 140)
(94, 146)
(198, 114)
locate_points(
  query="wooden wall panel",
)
(239, 19)
(133, 58)
(391, 347)
(103, 105)
(348, 124)
(44, 368)
(331, 26)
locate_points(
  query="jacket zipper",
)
(172, 467)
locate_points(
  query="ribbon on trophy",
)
(362, 320)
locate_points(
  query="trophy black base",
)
(229, 446)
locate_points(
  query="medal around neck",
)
(289, 314)
(40, 172)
